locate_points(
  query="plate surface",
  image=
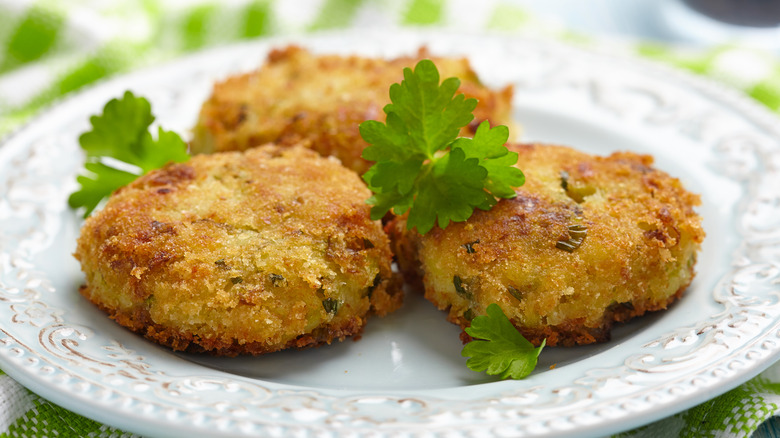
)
(405, 377)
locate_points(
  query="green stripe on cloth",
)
(16, 118)
(336, 13)
(767, 92)
(154, 14)
(698, 63)
(716, 417)
(508, 17)
(737, 413)
(111, 59)
(195, 24)
(704, 63)
(49, 420)
(152, 8)
(35, 35)
(256, 19)
(424, 12)
(90, 70)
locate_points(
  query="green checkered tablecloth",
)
(51, 48)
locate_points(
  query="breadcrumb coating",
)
(298, 97)
(240, 253)
(587, 241)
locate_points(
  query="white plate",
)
(406, 376)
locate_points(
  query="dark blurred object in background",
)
(753, 13)
(746, 23)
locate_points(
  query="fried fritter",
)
(321, 100)
(240, 253)
(587, 241)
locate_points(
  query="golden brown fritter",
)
(321, 100)
(240, 253)
(640, 230)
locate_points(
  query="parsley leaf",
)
(498, 348)
(121, 133)
(488, 146)
(422, 166)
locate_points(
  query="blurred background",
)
(693, 23)
(49, 48)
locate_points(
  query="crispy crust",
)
(240, 253)
(573, 332)
(320, 101)
(141, 322)
(638, 255)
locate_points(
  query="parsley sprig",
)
(422, 166)
(121, 133)
(498, 348)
